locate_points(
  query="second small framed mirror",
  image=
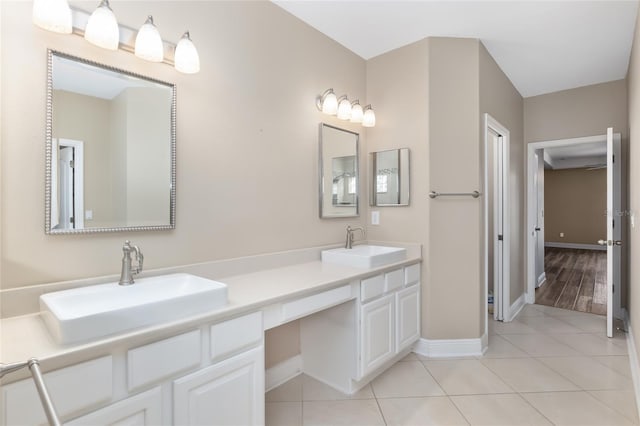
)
(389, 177)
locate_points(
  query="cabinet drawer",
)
(308, 305)
(371, 287)
(151, 363)
(412, 274)
(71, 389)
(142, 409)
(234, 335)
(393, 280)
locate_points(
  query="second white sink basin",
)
(91, 312)
(365, 256)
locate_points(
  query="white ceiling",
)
(577, 156)
(542, 46)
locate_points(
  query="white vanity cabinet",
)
(389, 316)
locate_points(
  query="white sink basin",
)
(91, 312)
(365, 256)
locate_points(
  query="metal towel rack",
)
(434, 194)
(34, 368)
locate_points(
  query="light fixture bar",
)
(127, 35)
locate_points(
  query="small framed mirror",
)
(338, 167)
(110, 147)
(389, 177)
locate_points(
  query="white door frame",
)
(530, 296)
(78, 179)
(491, 124)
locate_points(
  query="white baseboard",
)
(541, 279)
(633, 359)
(449, 348)
(283, 372)
(576, 246)
(515, 308)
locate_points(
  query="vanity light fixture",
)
(149, 43)
(102, 27)
(327, 102)
(186, 58)
(53, 15)
(344, 108)
(356, 112)
(369, 117)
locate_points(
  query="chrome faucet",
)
(126, 277)
(349, 243)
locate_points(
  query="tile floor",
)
(550, 366)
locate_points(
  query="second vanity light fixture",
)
(344, 109)
(102, 29)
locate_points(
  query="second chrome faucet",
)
(128, 271)
(349, 243)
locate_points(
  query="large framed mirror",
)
(111, 149)
(389, 177)
(338, 166)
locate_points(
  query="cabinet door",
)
(144, 409)
(407, 317)
(230, 392)
(377, 334)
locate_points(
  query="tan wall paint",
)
(575, 203)
(585, 111)
(397, 84)
(500, 99)
(281, 343)
(247, 124)
(634, 184)
(429, 96)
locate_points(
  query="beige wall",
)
(500, 99)
(634, 185)
(245, 124)
(430, 96)
(86, 119)
(575, 203)
(397, 84)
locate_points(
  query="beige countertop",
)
(26, 336)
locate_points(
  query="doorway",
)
(575, 271)
(496, 221)
(67, 184)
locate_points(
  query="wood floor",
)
(576, 280)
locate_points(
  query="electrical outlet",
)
(375, 217)
(562, 235)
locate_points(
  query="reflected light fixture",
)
(356, 112)
(53, 15)
(369, 117)
(102, 27)
(149, 43)
(327, 102)
(344, 108)
(186, 58)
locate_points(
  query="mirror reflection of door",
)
(68, 185)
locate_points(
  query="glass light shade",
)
(149, 43)
(344, 108)
(102, 27)
(356, 112)
(53, 15)
(186, 57)
(369, 117)
(330, 104)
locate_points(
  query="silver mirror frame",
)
(49, 148)
(321, 166)
(373, 182)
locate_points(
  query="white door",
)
(230, 393)
(614, 225)
(377, 333)
(144, 409)
(65, 187)
(498, 230)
